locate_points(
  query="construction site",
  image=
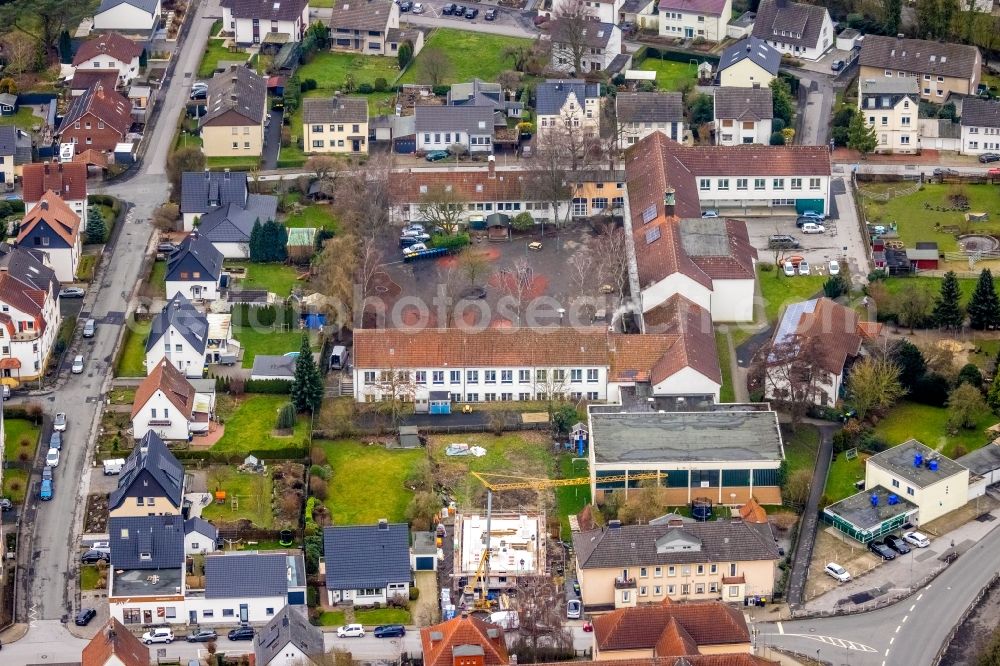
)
(516, 548)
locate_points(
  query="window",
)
(713, 568)
(437, 376)
(778, 183)
(209, 613)
(713, 587)
(473, 397)
(732, 568)
(734, 591)
(643, 572)
(701, 570)
(472, 376)
(685, 589)
(895, 483)
(723, 184)
(910, 491)
(369, 376)
(592, 395)
(671, 571)
(626, 596)
(704, 184)
(741, 183)
(592, 375)
(269, 611)
(227, 612)
(796, 183)
(699, 588)
(657, 572)
(131, 616)
(558, 375)
(642, 591)
(490, 376)
(576, 375)
(524, 376)
(540, 375)
(524, 396)
(758, 184)
(421, 377)
(455, 376)
(671, 589)
(599, 203)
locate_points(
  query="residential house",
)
(138, 17)
(200, 537)
(664, 630)
(625, 566)
(110, 51)
(261, 21)
(818, 327)
(482, 93)
(53, 228)
(289, 639)
(166, 403)
(363, 26)
(195, 269)
(442, 127)
(980, 126)
(605, 11)
(942, 68)
(639, 114)
(749, 63)
(273, 366)
(114, 645)
(568, 105)
(146, 580)
(367, 564)
(67, 179)
(743, 115)
(600, 45)
(202, 192)
(465, 640)
(795, 29)
(695, 19)
(335, 125)
(99, 119)
(179, 334)
(233, 124)
(29, 312)
(228, 227)
(83, 79)
(15, 152)
(151, 484)
(890, 106)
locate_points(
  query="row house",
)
(262, 21)
(980, 126)
(941, 68)
(29, 312)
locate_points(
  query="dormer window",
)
(145, 556)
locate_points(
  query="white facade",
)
(585, 115)
(479, 142)
(28, 344)
(979, 140)
(726, 300)
(732, 132)
(633, 132)
(196, 543)
(126, 18)
(79, 206)
(127, 71)
(179, 351)
(64, 260)
(760, 195)
(686, 24)
(812, 52)
(605, 12)
(596, 58)
(194, 290)
(478, 210)
(233, 250)
(194, 608)
(892, 113)
(934, 500)
(289, 655)
(161, 416)
(243, 28)
(370, 597)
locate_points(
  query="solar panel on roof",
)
(649, 214)
(652, 235)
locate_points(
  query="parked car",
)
(834, 267)
(418, 8)
(350, 631)
(813, 228)
(814, 215)
(944, 172)
(710, 213)
(405, 6)
(803, 267)
(71, 292)
(55, 440)
(573, 609)
(202, 636)
(448, 9)
(5, 504)
(113, 466)
(802, 220)
(84, 617)
(94, 556)
(200, 93)
(166, 248)
(389, 631)
(789, 269)
(897, 544)
(45, 490)
(101, 546)
(986, 158)
(407, 241)
(491, 14)
(6, 392)
(89, 328)
(77, 365)
(158, 635)
(59, 423)
(782, 242)
(993, 173)
(836, 65)
(413, 249)
(917, 539)
(882, 550)
(414, 227)
(52, 458)
(576, 587)
(471, 13)
(837, 571)
(438, 155)
(241, 633)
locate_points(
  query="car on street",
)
(418, 8)
(52, 458)
(459, 11)
(84, 617)
(781, 242)
(158, 635)
(917, 539)
(6, 504)
(814, 215)
(89, 328)
(491, 14)
(803, 267)
(59, 423)
(986, 158)
(710, 213)
(882, 550)
(71, 292)
(437, 155)
(448, 9)
(77, 365)
(576, 587)
(573, 609)
(813, 228)
(940, 171)
(789, 269)
(389, 631)
(94, 556)
(837, 571)
(836, 65)
(834, 267)
(897, 544)
(202, 636)
(55, 440)
(6, 392)
(45, 490)
(471, 13)
(241, 633)
(350, 631)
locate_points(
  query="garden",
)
(489, 60)
(216, 51)
(20, 440)
(251, 420)
(670, 74)
(248, 497)
(778, 290)
(132, 357)
(276, 278)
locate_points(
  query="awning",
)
(10, 364)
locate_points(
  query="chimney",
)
(225, 173)
(44, 205)
(492, 167)
(438, 636)
(675, 522)
(669, 201)
(383, 523)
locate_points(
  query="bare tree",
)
(22, 53)
(793, 373)
(913, 305)
(541, 618)
(509, 80)
(165, 216)
(395, 387)
(612, 253)
(474, 265)
(433, 66)
(549, 180)
(572, 30)
(516, 282)
(364, 197)
(321, 165)
(581, 269)
(874, 385)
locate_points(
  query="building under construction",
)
(516, 548)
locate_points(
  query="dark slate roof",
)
(978, 112)
(360, 556)
(160, 537)
(360, 15)
(266, 10)
(270, 365)
(246, 575)
(8, 139)
(238, 90)
(756, 50)
(707, 7)
(744, 103)
(982, 461)
(650, 107)
(636, 545)
(775, 16)
(920, 56)
(180, 313)
(551, 95)
(151, 455)
(290, 625)
(469, 119)
(148, 6)
(334, 110)
(199, 249)
(203, 191)
(233, 223)
(201, 526)
(595, 34)
(29, 267)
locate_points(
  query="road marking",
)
(898, 628)
(920, 596)
(892, 640)
(887, 652)
(832, 640)
(912, 607)
(781, 629)
(905, 618)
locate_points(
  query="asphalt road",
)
(909, 632)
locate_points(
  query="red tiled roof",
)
(640, 628)
(10, 363)
(104, 103)
(836, 328)
(634, 356)
(69, 180)
(115, 640)
(168, 379)
(440, 640)
(23, 297)
(470, 186)
(752, 512)
(54, 212)
(84, 78)
(696, 347)
(111, 44)
(675, 641)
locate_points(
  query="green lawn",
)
(253, 497)
(801, 447)
(521, 453)
(330, 69)
(930, 426)
(728, 392)
(248, 163)
(277, 278)
(331, 618)
(158, 278)
(272, 342)
(357, 471)
(317, 216)
(89, 575)
(570, 500)
(378, 103)
(16, 432)
(85, 270)
(472, 54)
(985, 360)
(122, 396)
(916, 223)
(778, 290)
(670, 75)
(214, 52)
(24, 119)
(250, 425)
(132, 362)
(15, 484)
(843, 474)
(895, 285)
(375, 616)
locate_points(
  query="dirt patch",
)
(95, 520)
(976, 632)
(831, 548)
(531, 285)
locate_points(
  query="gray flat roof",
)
(146, 582)
(858, 510)
(654, 437)
(982, 461)
(899, 461)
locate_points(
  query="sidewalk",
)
(926, 157)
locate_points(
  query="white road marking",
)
(887, 652)
(781, 629)
(920, 596)
(892, 640)
(905, 618)
(832, 640)
(898, 628)
(912, 607)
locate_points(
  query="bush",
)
(286, 416)
(931, 389)
(318, 488)
(970, 374)
(317, 455)
(320, 472)
(455, 242)
(765, 266)
(308, 84)
(414, 593)
(441, 91)
(777, 139)
(381, 85)
(523, 221)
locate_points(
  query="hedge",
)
(270, 386)
(455, 242)
(675, 56)
(235, 457)
(247, 314)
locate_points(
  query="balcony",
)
(159, 422)
(624, 583)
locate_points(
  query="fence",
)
(883, 197)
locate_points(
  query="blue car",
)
(45, 492)
(390, 631)
(438, 155)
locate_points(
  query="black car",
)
(945, 172)
(471, 13)
(166, 248)
(405, 6)
(6, 504)
(491, 14)
(243, 633)
(448, 9)
(202, 636)
(897, 544)
(802, 219)
(459, 10)
(84, 617)
(390, 631)
(986, 158)
(882, 550)
(94, 556)
(782, 242)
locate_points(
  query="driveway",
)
(272, 141)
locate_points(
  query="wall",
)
(934, 500)
(208, 290)
(129, 508)
(32, 361)
(685, 24)
(217, 141)
(759, 197)
(126, 17)
(87, 133)
(732, 300)
(334, 140)
(677, 283)
(233, 250)
(188, 360)
(688, 382)
(257, 609)
(64, 261)
(195, 543)
(745, 74)
(979, 140)
(932, 88)
(177, 428)
(824, 42)
(732, 132)
(632, 133)
(126, 70)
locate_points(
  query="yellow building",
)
(624, 566)
(335, 125)
(151, 482)
(921, 475)
(890, 107)
(233, 125)
(942, 68)
(749, 63)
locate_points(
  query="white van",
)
(573, 609)
(338, 357)
(113, 466)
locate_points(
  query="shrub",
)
(308, 84)
(270, 386)
(970, 374)
(414, 593)
(318, 488)
(317, 455)
(523, 221)
(310, 506)
(931, 389)
(237, 386)
(366, 89)
(441, 91)
(286, 417)
(320, 472)
(777, 139)
(34, 413)
(381, 85)
(24, 441)
(455, 242)
(765, 266)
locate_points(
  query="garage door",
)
(405, 144)
(296, 598)
(425, 563)
(811, 205)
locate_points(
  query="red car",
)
(993, 172)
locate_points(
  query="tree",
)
(971, 375)
(541, 620)
(570, 41)
(993, 396)
(394, 389)
(792, 373)
(929, 23)
(782, 102)
(165, 216)
(42, 20)
(405, 54)
(965, 407)
(256, 239)
(796, 489)
(474, 265)
(702, 109)
(8, 85)
(948, 308)
(319, 34)
(421, 510)
(433, 67)
(860, 136)
(509, 80)
(96, 229)
(275, 237)
(65, 48)
(307, 385)
(549, 182)
(912, 304)
(910, 362)
(893, 16)
(324, 166)
(984, 305)
(873, 385)
(179, 161)
(22, 53)
(523, 221)
(612, 259)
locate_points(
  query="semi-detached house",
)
(980, 126)
(794, 28)
(262, 21)
(29, 313)
(53, 228)
(941, 68)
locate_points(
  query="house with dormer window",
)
(602, 52)
(890, 107)
(793, 28)
(941, 68)
(265, 21)
(568, 104)
(441, 127)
